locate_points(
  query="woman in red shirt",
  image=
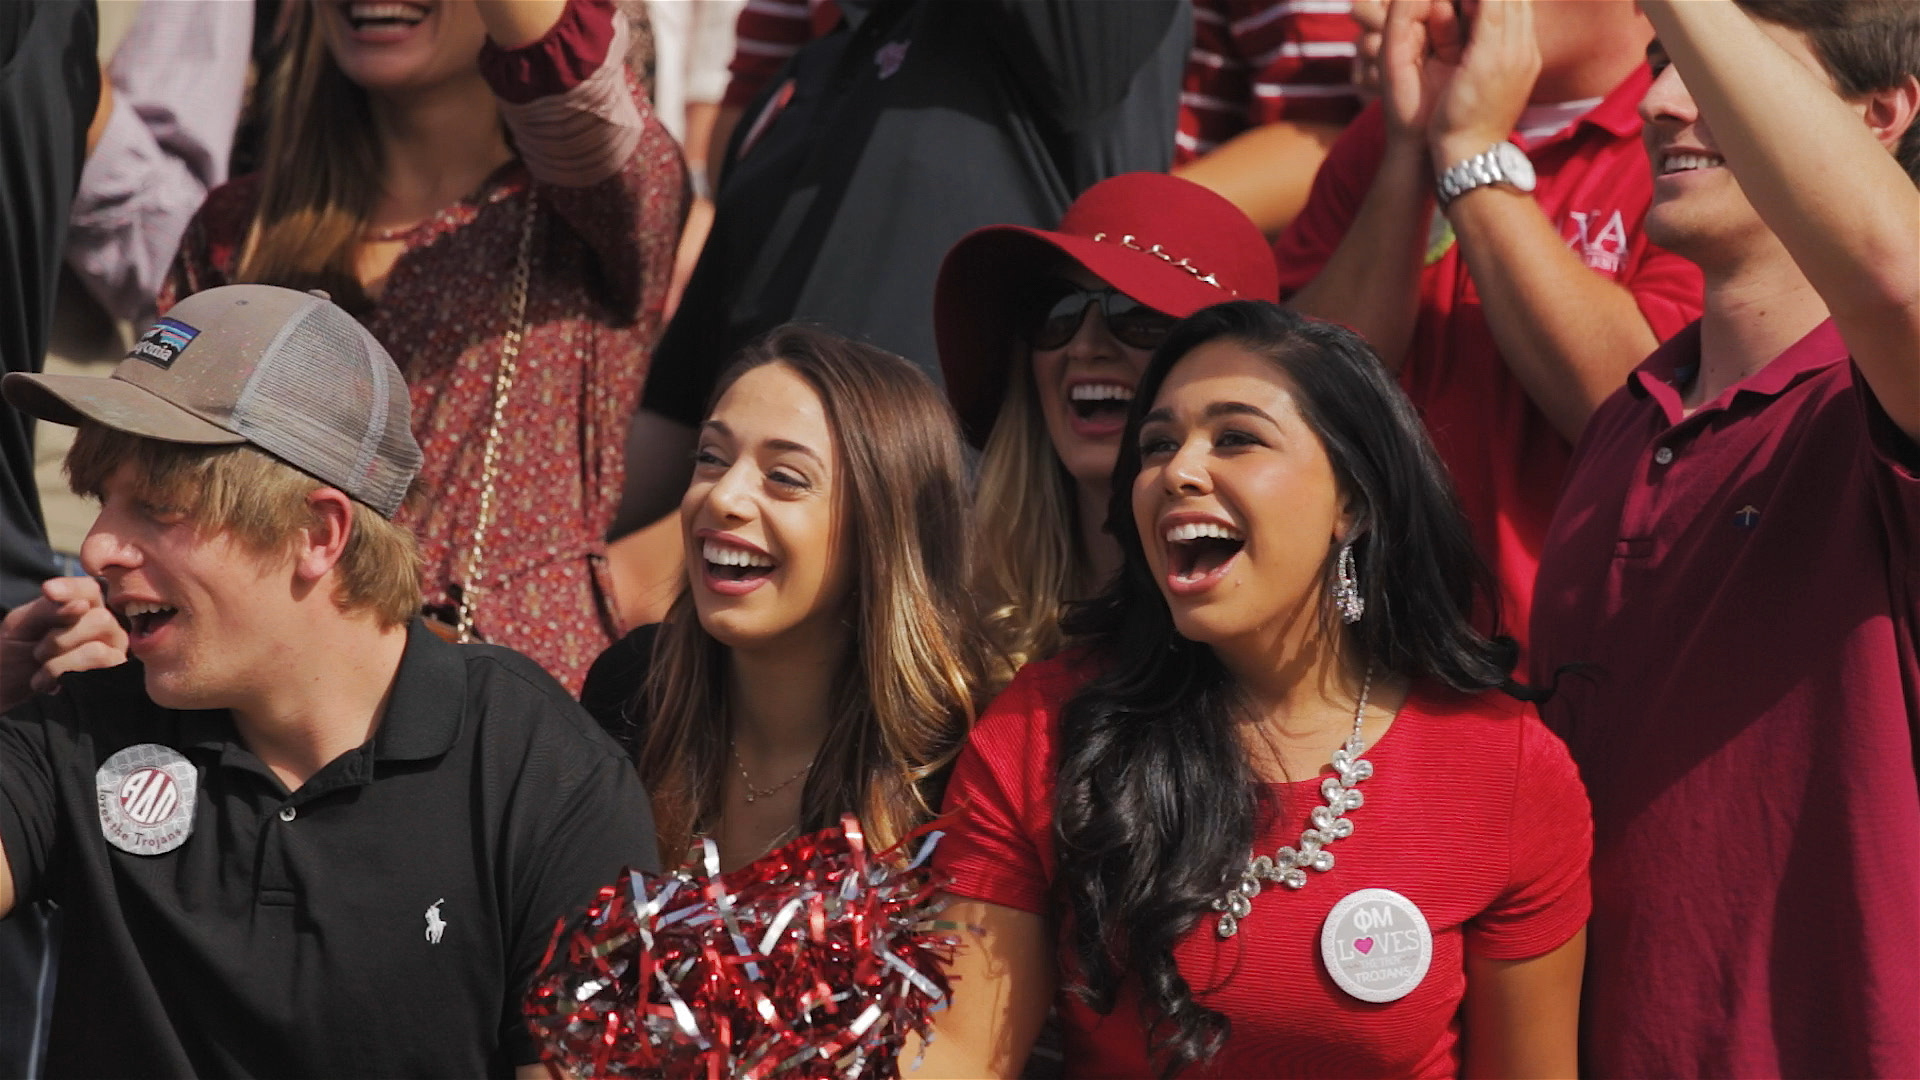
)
(1275, 816)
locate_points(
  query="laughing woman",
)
(1276, 816)
(821, 658)
(1043, 335)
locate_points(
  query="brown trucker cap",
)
(289, 372)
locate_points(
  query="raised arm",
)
(602, 160)
(1371, 282)
(1568, 334)
(1822, 180)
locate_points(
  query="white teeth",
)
(728, 555)
(1673, 163)
(1200, 529)
(373, 12)
(1100, 392)
(139, 607)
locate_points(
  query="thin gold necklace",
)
(756, 793)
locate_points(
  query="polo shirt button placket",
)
(1663, 456)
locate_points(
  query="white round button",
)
(1664, 455)
(286, 813)
(1376, 945)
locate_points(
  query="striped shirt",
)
(1258, 61)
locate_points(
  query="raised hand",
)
(67, 628)
(1488, 91)
(1419, 52)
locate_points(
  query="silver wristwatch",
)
(1504, 163)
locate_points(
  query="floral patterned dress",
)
(609, 190)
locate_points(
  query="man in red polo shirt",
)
(1737, 558)
(1513, 310)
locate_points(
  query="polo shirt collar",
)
(428, 700)
(1618, 114)
(1665, 374)
(423, 712)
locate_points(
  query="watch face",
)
(1515, 164)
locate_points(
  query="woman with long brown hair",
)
(482, 183)
(1042, 384)
(821, 658)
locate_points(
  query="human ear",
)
(1891, 112)
(324, 539)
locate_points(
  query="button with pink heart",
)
(1376, 945)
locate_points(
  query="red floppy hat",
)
(1169, 243)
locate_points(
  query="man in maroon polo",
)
(1737, 556)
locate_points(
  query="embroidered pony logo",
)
(435, 924)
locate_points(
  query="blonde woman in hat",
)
(1042, 336)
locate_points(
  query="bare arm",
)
(1523, 1016)
(1848, 214)
(1002, 987)
(1372, 281)
(1568, 334)
(1266, 171)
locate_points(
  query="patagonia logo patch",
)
(163, 341)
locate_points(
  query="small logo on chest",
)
(1746, 517)
(436, 925)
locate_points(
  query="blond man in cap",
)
(297, 833)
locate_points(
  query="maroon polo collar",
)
(1664, 375)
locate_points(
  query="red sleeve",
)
(765, 36)
(567, 56)
(1302, 60)
(1338, 189)
(1550, 841)
(1215, 92)
(1000, 848)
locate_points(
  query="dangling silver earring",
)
(1346, 590)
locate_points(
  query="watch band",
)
(1480, 170)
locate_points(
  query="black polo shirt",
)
(885, 142)
(382, 920)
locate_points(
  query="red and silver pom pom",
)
(817, 960)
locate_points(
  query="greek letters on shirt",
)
(146, 797)
(1599, 237)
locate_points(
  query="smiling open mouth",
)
(1198, 550)
(144, 619)
(385, 16)
(1104, 403)
(728, 563)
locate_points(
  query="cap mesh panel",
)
(327, 400)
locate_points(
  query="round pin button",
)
(1376, 945)
(1664, 455)
(286, 813)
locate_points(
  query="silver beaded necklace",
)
(1288, 866)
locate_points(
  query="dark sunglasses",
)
(1131, 322)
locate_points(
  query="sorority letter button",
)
(146, 799)
(1376, 945)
